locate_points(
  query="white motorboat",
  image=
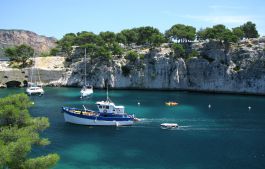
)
(108, 114)
(169, 125)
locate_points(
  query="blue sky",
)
(57, 17)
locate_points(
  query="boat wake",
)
(197, 125)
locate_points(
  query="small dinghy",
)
(169, 125)
(171, 103)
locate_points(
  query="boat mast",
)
(85, 66)
(38, 75)
(32, 67)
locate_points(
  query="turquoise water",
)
(226, 136)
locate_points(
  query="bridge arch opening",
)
(13, 83)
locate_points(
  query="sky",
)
(54, 18)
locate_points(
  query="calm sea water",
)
(226, 136)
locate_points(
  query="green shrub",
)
(194, 53)
(103, 53)
(116, 49)
(132, 56)
(178, 49)
(54, 51)
(141, 56)
(188, 58)
(237, 68)
(44, 54)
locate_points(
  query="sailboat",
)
(33, 87)
(86, 89)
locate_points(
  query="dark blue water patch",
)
(228, 135)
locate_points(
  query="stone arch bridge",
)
(21, 77)
(13, 78)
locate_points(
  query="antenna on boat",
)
(84, 107)
(107, 93)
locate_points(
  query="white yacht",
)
(86, 90)
(31, 90)
(33, 87)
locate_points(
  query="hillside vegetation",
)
(109, 45)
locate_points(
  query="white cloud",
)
(216, 19)
(224, 7)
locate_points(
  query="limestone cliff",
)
(9, 38)
(241, 70)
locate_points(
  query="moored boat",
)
(32, 90)
(108, 114)
(86, 90)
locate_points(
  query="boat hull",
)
(39, 91)
(85, 93)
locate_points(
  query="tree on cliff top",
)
(148, 36)
(127, 36)
(108, 37)
(238, 32)
(20, 53)
(87, 37)
(217, 32)
(145, 35)
(181, 33)
(19, 132)
(250, 30)
(67, 42)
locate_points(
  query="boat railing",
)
(88, 113)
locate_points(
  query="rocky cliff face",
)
(10, 38)
(241, 70)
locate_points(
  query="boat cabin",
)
(87, 87)
(109, 107)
